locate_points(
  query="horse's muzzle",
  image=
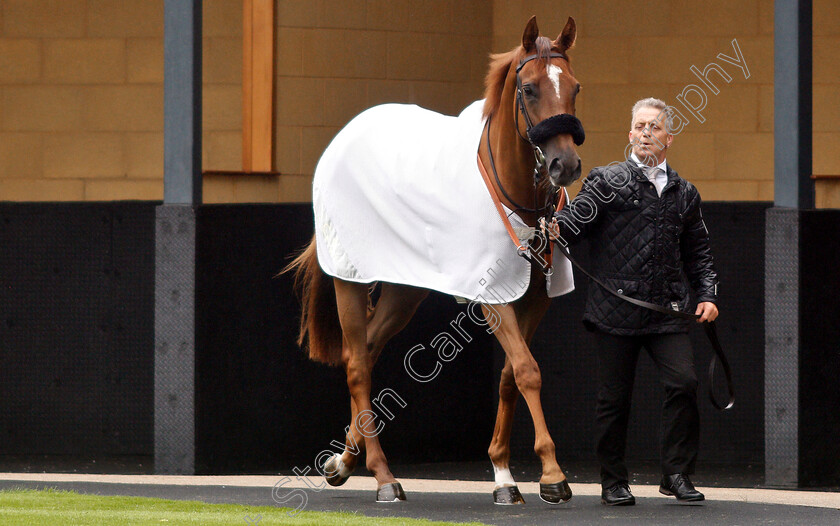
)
(563, 172)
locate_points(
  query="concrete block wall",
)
(626, 51)
(334, 59)
(826, 102)
(81, 98)
(81, 105)
(81, 86)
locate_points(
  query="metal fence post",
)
(175, 248)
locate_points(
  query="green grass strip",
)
(51, 507)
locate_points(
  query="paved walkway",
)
(460, 500)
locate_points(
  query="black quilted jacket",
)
(645, 246)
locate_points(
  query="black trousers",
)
(680, 429)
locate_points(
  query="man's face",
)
(649, 135)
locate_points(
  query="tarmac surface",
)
(733, 496)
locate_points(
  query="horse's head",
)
(545, 102)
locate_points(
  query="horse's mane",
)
(500, 64)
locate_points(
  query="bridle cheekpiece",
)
(554, 125)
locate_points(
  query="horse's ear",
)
(529, 37)
(567, 37)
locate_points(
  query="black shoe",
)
(618, 495)
(680, 486)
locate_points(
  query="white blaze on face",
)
(554, 73)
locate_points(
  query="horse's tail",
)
(320, 330)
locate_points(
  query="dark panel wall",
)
(262, 405)
(819, 352)
(76, 333)
(76, 340)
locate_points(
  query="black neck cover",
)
(556, 125)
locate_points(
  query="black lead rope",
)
(711, 333)
(709, 327)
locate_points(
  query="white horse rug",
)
(398, 197)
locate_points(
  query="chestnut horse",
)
(529, 108)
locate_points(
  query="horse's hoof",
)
(392, 492)
(556, 493)
(335, 471)
(507, 496)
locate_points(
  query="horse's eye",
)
(528, 90)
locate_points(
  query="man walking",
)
(648, 241)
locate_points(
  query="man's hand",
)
(707, 311)
(549, 228)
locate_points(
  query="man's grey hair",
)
(645, 103)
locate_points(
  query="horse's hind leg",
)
(351, 299)
(395, 308)
(526, 373)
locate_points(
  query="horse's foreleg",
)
(526, 373)
(351, 299)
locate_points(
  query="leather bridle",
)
(554, 125)
(535, 134)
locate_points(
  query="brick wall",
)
(627, 50)
(335, 59)
(81, 103)
(827, 101)
(81, 98)
(81, 85)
